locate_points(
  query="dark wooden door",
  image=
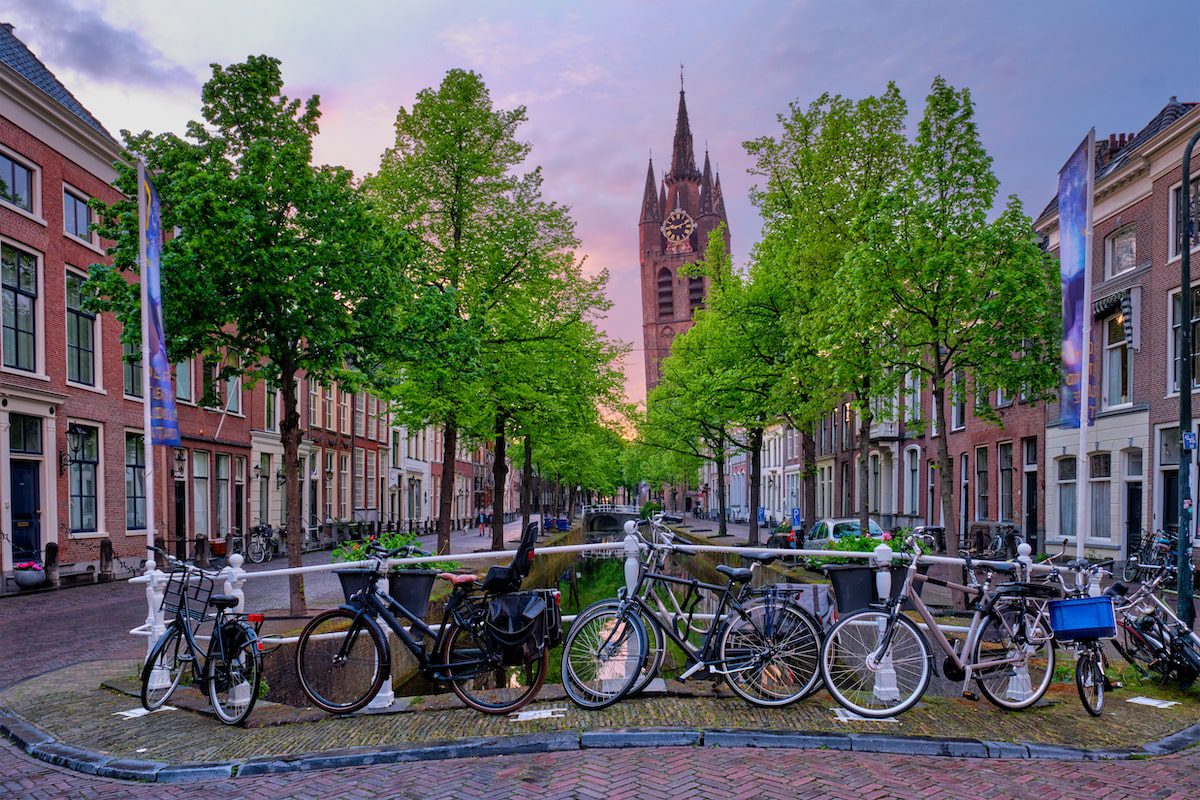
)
(26, 511)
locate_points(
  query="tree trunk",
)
(945, 466)
(446, 503)
(499, 476)
(808, 447)
(722, 500)
(526, 484)
(289, 432)
(756, 437)
(864, 468)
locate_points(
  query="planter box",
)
(410, 587)
(854, 584)
(29, 578)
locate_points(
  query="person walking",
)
(482, 520)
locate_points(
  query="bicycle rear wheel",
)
(871, 687)
(164, 668)
(255, 550)
(604, 654)
(1089, 678)
(233, 672)
(1027, 652)
(341, 660)
(770, 656)
(480, 680)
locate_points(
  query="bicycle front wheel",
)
(479, 679)
(256, 551)
(769, 656)
(233, 672)
(1089, 679)
(341, 660)
(164, 668)
(1022, 656)
(867, 679)
(1130, 570)
(604, 654)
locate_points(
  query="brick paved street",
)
(676, 773)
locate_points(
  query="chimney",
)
(7, 26)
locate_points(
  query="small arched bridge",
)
(606, 520)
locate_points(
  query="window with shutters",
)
(666, 294)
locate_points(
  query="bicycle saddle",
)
(458, 580)
(1046, 590)
(735, 574)
(762, 558)
(1002, 569)
(1079, 563)
(222, 601)
(1118, 589)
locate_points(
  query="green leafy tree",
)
(485, 233)
(967, 294)
(279, 268)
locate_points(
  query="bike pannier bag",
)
(517, 625)
(554, 625)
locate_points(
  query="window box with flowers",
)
(29, 574)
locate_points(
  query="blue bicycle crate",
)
(1083, 618)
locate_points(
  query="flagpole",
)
(1082, 508)
(147, 438)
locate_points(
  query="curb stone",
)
(41, 745)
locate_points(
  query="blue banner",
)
(1074, 201)
(164, 419)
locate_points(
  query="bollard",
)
(633, 566)
(50, 565)
(885, 675)
(1020, 686)
(201, 550)
(106, 560)
(386, 696)
(235, 579)
(155, 583)
(1023, 558)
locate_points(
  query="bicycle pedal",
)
(969, 695)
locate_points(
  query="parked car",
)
(827, 532)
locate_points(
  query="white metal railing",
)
(610, 508)
(236, 577)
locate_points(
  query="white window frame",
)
(1126, 364)
(186, 366)
(1060, 483)
(1094, 483)
(912, 477)
(101, 530)
(958, 404)
(35, 213)
(1110, 250)
(1012, 481)
(1173, 250)
(97, 384)
(982, 486)
(201, 509)
(39, 316)
(92, 241)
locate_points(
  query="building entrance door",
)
(1030, 499)
(1170, 500)
(1133, 514)
(180, 519)
(26, 511)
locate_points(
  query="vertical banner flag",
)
(1074, 237)
(164, 419)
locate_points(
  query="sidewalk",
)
(75, 715)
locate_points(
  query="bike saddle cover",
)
(735, 574)
(1014, 589)
(222, 601)
(1002, 569)
(762, 558)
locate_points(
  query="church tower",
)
(678, 213)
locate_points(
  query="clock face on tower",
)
(678, 226)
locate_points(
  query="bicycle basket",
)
(1083, 618)
(516, 624)
(197, 587)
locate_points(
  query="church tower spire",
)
(683, 154)
(706, 188)
(651, 208)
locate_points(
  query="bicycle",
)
(1153, 552)
(764, 646)
(1151, 638)
(1085, 621)
(343, 656)
(877, 663)
(230, 671)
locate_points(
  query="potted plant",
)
(29, 574)
(854, 582)
(409, 584)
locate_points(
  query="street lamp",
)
(76, 434)
(1186, 610)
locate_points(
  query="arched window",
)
(696, 291)
(666, 294)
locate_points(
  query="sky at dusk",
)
(601, 81)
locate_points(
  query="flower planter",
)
(854, 584)
(410, 588)
(29, 578)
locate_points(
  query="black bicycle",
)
(764, 645)
(230, 670)
(343, 656)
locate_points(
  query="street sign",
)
(762, 516)
(797, 522)
(1189, 440)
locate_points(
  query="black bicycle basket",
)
(197, 587)
(516, 624)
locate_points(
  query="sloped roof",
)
(15, 55)
(1170, 113)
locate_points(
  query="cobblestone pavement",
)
(676, 773)
(41, 631)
